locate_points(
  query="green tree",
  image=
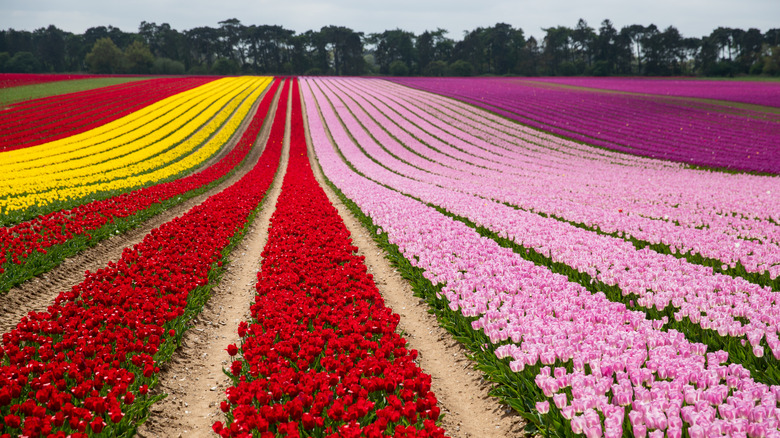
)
(167, 66)
(528, 62)
(138, 58)
(772, 61)
(399, 68)
(232, 42)
(202, 45)
(105, 57)
(163, 41)
(436, 68)
(556, 54)
(750, 53)
(583, 41)
(269, 48)
(345, 47)
(393, 45)
(225, 66)
(4, 58)
(504, 45)
(23, 62)
(50, 48)
(462, 68)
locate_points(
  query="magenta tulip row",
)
(687, 132)
(757, 93)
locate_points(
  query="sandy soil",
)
(194, 380)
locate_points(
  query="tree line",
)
(235, 48)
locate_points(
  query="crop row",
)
(757, 93)
(320, 356)
(47, 119)
(570, 359)
(86, 364)
(685, 132)
(19, 79)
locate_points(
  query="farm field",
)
(16, 88)
(652, 124)
(321, 256)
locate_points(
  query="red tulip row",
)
(8, 80)
(51, 118)
(30, 247)
(321, 356)
(84, 366)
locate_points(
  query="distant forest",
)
(235, 48)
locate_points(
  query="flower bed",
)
(753, 92)
(691, 133)
(35, 246)
(568, 359)
(18, 79)
(676, 212)
(51, 118)
(716, 309)
(158, 142)
(86, 364)
(321, 356)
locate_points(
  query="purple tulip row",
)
(622, 369)
(757, 93)
(687, 132)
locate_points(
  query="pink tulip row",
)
(677, 207)
(687, 132)
(758, 93)
(621, 366)
(712, 301)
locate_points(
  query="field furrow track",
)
(193, 379)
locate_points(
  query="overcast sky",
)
(693, 18)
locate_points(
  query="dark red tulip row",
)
(50, 118)
(84, 366)
(320, 357)
(48, 235)
(8, 80)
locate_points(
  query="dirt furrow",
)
(462, 392)
(38, 293)
(194, 380)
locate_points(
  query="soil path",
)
(38, 293)
(462, 392)
(194, 380)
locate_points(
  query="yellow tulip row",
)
(103, 158)
(139, 131)
(122, 131)
(174, 147)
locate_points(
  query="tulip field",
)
(607, 251)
